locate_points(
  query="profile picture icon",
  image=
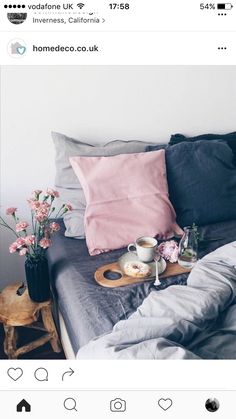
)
(17, 48)
(17, 18)
(212, 405)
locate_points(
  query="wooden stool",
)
(20, 310)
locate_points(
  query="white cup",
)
(145, 247)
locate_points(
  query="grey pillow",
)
(67, 182)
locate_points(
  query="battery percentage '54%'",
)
(207, 6)
(216, 6)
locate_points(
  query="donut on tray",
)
(137, 269)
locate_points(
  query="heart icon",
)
(165, 404)
(15, 373)
(21, 50)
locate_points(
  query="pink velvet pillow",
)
(127, 197)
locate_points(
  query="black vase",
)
(37, 276)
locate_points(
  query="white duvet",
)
(197, 321)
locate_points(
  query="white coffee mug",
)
(145, 247)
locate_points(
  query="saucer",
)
(133, 257)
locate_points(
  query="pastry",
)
(137, 269)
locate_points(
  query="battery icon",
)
(224, 6)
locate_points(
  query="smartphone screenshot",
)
(117, 209)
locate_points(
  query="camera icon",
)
(118, 405)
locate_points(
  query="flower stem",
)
(9, 228)
(56, 216)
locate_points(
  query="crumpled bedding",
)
(197, 321)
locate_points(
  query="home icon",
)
(23, 406)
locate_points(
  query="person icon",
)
(212, 405)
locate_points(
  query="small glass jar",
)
(188, 248)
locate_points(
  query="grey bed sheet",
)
(90, 310)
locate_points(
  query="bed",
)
(87, 310)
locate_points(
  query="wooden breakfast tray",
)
(172, 269)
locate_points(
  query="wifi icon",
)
(80, 5)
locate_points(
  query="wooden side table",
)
(19, 310)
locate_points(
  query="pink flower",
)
(44, 206)
(23, 251)
(11, 211)
(68, 207)
(52, 193)
(33, 204)
(169, 250)
(13, 247)
(54, 227)
(18, 245)
(29, 240)
(45, 243)
(21, 226)
(41, 216)
(42, 212)
(20, 242)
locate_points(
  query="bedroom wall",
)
(98, 104)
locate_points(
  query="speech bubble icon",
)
(41, 374)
